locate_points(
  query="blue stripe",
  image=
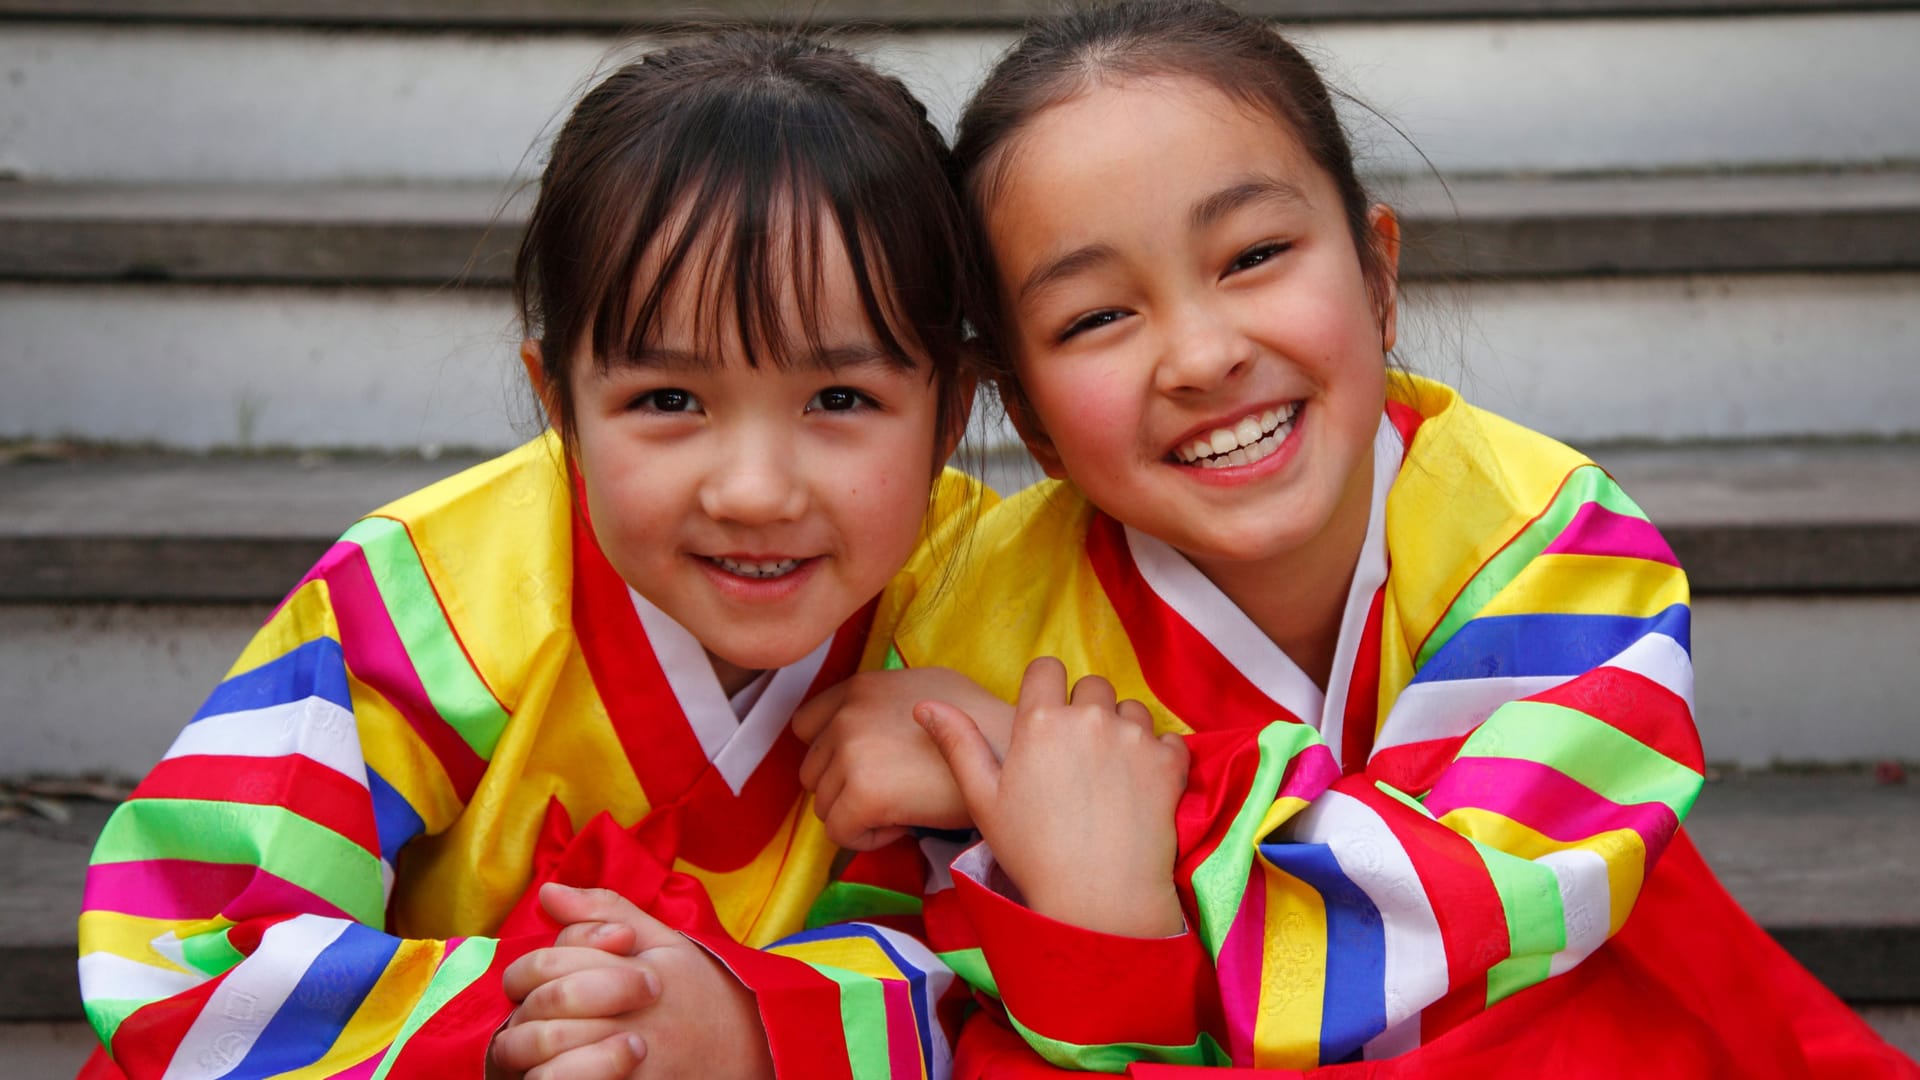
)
(394, 818)
(316, 669)
(915, 978)
(1514, 646)
(327, 996)
(1354, 1006)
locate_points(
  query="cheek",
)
(1084, 411)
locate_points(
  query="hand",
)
(666, 1008)
(1080, 813)
(872, 770)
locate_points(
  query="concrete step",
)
(577, 14)
(128, 583)
(289, 102)
(1481, 228)
(1823, 860)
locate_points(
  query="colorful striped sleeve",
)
(234, 911)
(1521, 788)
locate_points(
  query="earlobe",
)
(1384, 229)
(530, 358)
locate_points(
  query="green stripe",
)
(1586, 484)
(894, 663)
(457, 972)
(1530, 896)
(863, 1013)
(846, 901)
(1509, 977)
(107, 1014)
(1220, 883)
(1618, 766)
(211, 953)
(457, 693)
(971, 966)
(1115, 1057)
(273, 838)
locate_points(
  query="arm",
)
(235, 906)
(1524, 785)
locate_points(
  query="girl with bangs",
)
(741, 290)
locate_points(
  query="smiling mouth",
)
(1251, 439)
(759, 570)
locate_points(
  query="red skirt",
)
(1691, 987)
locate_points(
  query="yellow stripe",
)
(306, 616)
(1591, 585)
(768, 898)
(1286, 1032)
(1279, 814)
(859, 955)
(379, 1017)
(393, 750)
(131, 937)
(1621, 849)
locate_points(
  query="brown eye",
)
(838, 399)
(1091, 321)
(1254, 256)
(669, 400)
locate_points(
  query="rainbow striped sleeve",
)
(1521, 788)
(233, 911)
(858, 995)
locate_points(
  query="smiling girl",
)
(1432, 669)
(576, 662)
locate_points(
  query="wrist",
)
(1147, 910)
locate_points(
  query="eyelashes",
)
(1258, 255)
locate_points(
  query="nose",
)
(1204, 351)
(757, 479)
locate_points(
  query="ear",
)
(1383, 228)
(530, 359)
(1035, 436)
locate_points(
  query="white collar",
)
(734, 744)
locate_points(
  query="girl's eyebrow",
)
(1077, 261)
(1258, 189)
(825, 358)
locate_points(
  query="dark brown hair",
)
(1062, 56)
(723, 151)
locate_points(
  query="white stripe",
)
(1372, 858)
(248, 998)
(1661, 659)
(940, 854)
(1586, 895)
(311, 727)
(1368, 575)
(106, 976)
(1401, 1038)
(939, 978)
(1442, 710)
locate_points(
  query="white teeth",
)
(1247, 441)
(774, 569)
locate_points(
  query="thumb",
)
(975, 768)
(570, 905)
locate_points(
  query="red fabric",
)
(1691, 988)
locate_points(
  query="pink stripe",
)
(184, 889)
(1547, 801)
(903, 1033)
(1596, 530)
(1311, 772)
(1239, 964)
(361, 1071)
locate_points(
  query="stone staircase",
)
(252, 262)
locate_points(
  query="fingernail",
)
(922, 715)
(637, 1045)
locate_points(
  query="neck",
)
(733, 677)
(1298, 599)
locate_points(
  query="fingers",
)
(612, 1058)
(812, 767)
(543, 966)
(976, 771)
(812, 718)
(1045, 683)
(1093, 690)
(570, 905)
(1137, 713)
(617, 939)
(594, 993)
(524, 1046)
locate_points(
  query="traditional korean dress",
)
(460, 699)
(1418, 870)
